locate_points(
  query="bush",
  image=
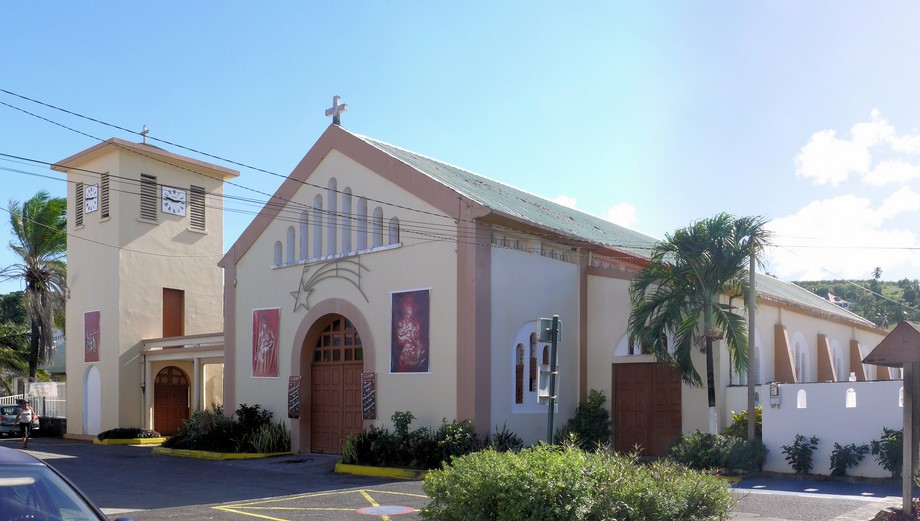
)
(712, 452)
(700, 450)
(738, 428)
(552, 482)
(250, 430)
(888, 450)
(800, 453)
(591, 423)
(504, 440)
(420, 448)
(127, 433)
(846, 456)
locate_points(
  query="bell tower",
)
(145, 233)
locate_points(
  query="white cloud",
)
(623, 214)
(892, 172)
(905, 200)
(906, 144)
(843, 237)
(565, 200)
(826, 159)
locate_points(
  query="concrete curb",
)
(215, 456)
(130, 441)
(380, 472)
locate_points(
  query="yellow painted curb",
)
(203, 454)
(131, 441)
(379, 472)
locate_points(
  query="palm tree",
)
(680, 293)
(39, 229)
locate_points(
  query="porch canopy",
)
(901, 348)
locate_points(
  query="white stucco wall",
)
(827, 416)
(527, 286)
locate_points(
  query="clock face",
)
(174, 200)
(90, 198)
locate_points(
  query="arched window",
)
(362, 224)
(851, 398)
(533, 363)
(346, 221)
(801, 400)
(393, 229)
(317, 226)
(377, 227)
(277, 254)
(332, 230)
(304, 235)
(290, 245)
(519, 374)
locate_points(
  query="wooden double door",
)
(647, 407)
(338, 360)
(170, 400)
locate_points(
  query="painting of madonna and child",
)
(409, 332)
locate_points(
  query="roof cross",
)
(336, 110)
(144, 134)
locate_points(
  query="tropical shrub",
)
(591, 423)
(563, 482)
(713, 452)
(800, 453)
(504, 440)
(421, 448)
(738, 428)
(888, 450)
(248, 430)
(846, 456)
(127, 433)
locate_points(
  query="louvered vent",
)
(104, 196)
(196, 207)
(78, 221)
(148, 197)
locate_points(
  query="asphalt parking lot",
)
(133, 482)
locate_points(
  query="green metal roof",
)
(788, 292)
(581, 226)
(517, 203)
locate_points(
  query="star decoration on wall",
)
(344, 269)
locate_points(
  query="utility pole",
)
(552, 378)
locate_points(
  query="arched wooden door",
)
(338, 359)
(170, 400)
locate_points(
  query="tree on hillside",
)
(39, 239)
(680, 292)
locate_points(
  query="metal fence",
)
(49, 399)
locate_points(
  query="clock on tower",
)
(174, 200)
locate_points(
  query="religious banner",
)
(369, 396)
(265, 324)
(91, 336)
(294, 397)
(409, 331)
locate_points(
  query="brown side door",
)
(170, 400)
(647, 407)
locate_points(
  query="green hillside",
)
(884, 302)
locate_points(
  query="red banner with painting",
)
(265, 324)
(91, 336)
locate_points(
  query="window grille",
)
(148, 197)
(104, 197)
(78, 221)
(196, 207)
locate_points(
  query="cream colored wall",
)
(213, 376)
(527, 286)
(418, 264)
(608, 314)
(148, 258)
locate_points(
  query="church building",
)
(378, 280)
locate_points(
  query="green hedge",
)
(127, 433)
(551, 482)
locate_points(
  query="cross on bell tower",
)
(336, 110)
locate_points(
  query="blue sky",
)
(653, 114)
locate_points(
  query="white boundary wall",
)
(825, 414)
